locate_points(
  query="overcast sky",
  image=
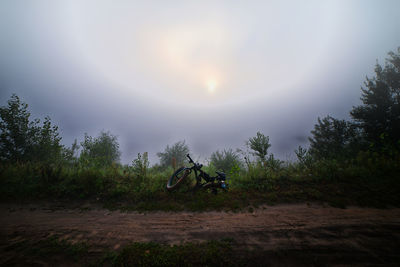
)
(212, 73)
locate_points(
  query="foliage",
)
(304, 157)
(225, 160)
(17, 131)
(174, 155)
(58, 251)
(24, 140)
(139, 182)
(50, 251)
(141, 164)
(369, 179)
(273, 163)
(100, 151)
(55, 251)
(332, 138)
(211, 253)
(46, 145)
(70, 155)
(379, 115)
(259, 144)
(338, 168)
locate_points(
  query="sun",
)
(211, 85)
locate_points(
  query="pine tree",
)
(379, 115)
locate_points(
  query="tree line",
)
(374, 126)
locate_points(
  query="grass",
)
(225, 252)
(53, 251)
(369, 180)
(212, 253)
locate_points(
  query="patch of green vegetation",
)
(369, 180)
(51, 250)
(224, 252)
(354, 162)
(54, 245)
(212, 253)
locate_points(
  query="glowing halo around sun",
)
(211, 86)
(211, 59)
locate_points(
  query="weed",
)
(370, 179)
(212, 253)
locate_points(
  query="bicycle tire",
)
(177, 178)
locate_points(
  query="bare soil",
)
(281, 235)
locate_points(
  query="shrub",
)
(225, 160)
(174, 156)
(101, 151)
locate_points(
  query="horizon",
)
(212, 74)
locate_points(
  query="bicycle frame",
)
(210, 182)
(200, 174)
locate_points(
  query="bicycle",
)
(182, 173)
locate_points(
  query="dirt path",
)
(352, 232)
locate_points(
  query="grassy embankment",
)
(369, 180)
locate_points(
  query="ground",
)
(281, 235)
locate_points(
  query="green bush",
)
(371, 178)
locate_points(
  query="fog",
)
(212, 73)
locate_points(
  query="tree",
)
(303, 156)
(379, 115)
(333, 138)
(24, 140)
(225, 160)
(100, 151)
(140, 165)
(259, 144)
(176, 152)
(17, 132)
(46, 146)
(70, 155)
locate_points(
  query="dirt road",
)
(362, 235)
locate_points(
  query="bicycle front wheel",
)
(177, 178)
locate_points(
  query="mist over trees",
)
(225, 160)
(334, 138)
(353, 162)
(23, 139)
(102, 150)
(375, 126)
(379, 115)
(376, 123)
(174, 155)
(259, 145)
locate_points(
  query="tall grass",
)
(369, 179)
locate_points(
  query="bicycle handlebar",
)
(197, 165)
(190, 159)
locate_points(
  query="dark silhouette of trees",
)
(376, 122)
(379, 115)
(24, 140)
(334, 138)
(174, 154)
(225, 160)
(100, 151)
(259, 145)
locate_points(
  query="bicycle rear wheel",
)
(177, 178)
